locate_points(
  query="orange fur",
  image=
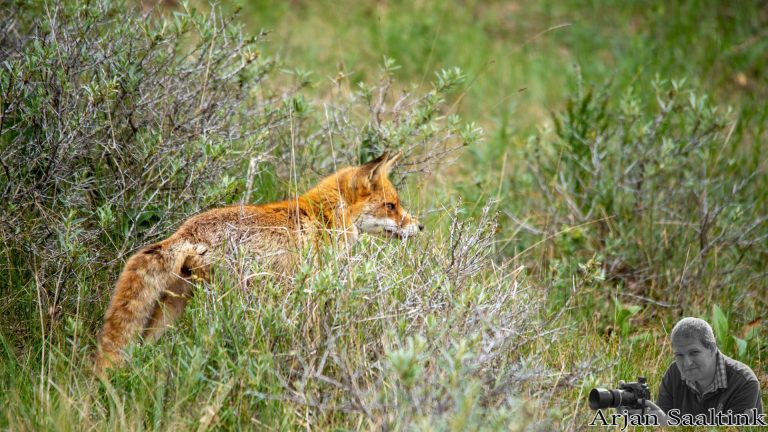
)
(153, 289)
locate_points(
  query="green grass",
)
(618, 186)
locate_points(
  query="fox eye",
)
(390, 206)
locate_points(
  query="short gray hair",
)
(699, 329)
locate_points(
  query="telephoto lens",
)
(600, 398)
(631, 395)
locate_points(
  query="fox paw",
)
(105, 360)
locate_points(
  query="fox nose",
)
(421, 227)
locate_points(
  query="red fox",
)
(156, 283)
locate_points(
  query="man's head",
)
(695, 350)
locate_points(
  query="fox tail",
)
(150, 293)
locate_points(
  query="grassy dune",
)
(589, 172)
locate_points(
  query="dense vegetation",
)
(588, 173)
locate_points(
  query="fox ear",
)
(382, 165)
(382, 158)
(393, 160)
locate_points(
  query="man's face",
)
(695, 362)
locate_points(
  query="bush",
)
(662, 199)
(112, 127)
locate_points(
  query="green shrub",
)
(661, 197)
(112, 127)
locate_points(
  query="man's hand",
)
(652, 408)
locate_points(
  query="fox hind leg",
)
(173, 300)
(167, 309)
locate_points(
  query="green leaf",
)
(719, 323)
(741, 347)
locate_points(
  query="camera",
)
(631, 395)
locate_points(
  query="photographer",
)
(702, 378)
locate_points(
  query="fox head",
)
(380, 210)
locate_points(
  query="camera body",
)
(631, 395)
